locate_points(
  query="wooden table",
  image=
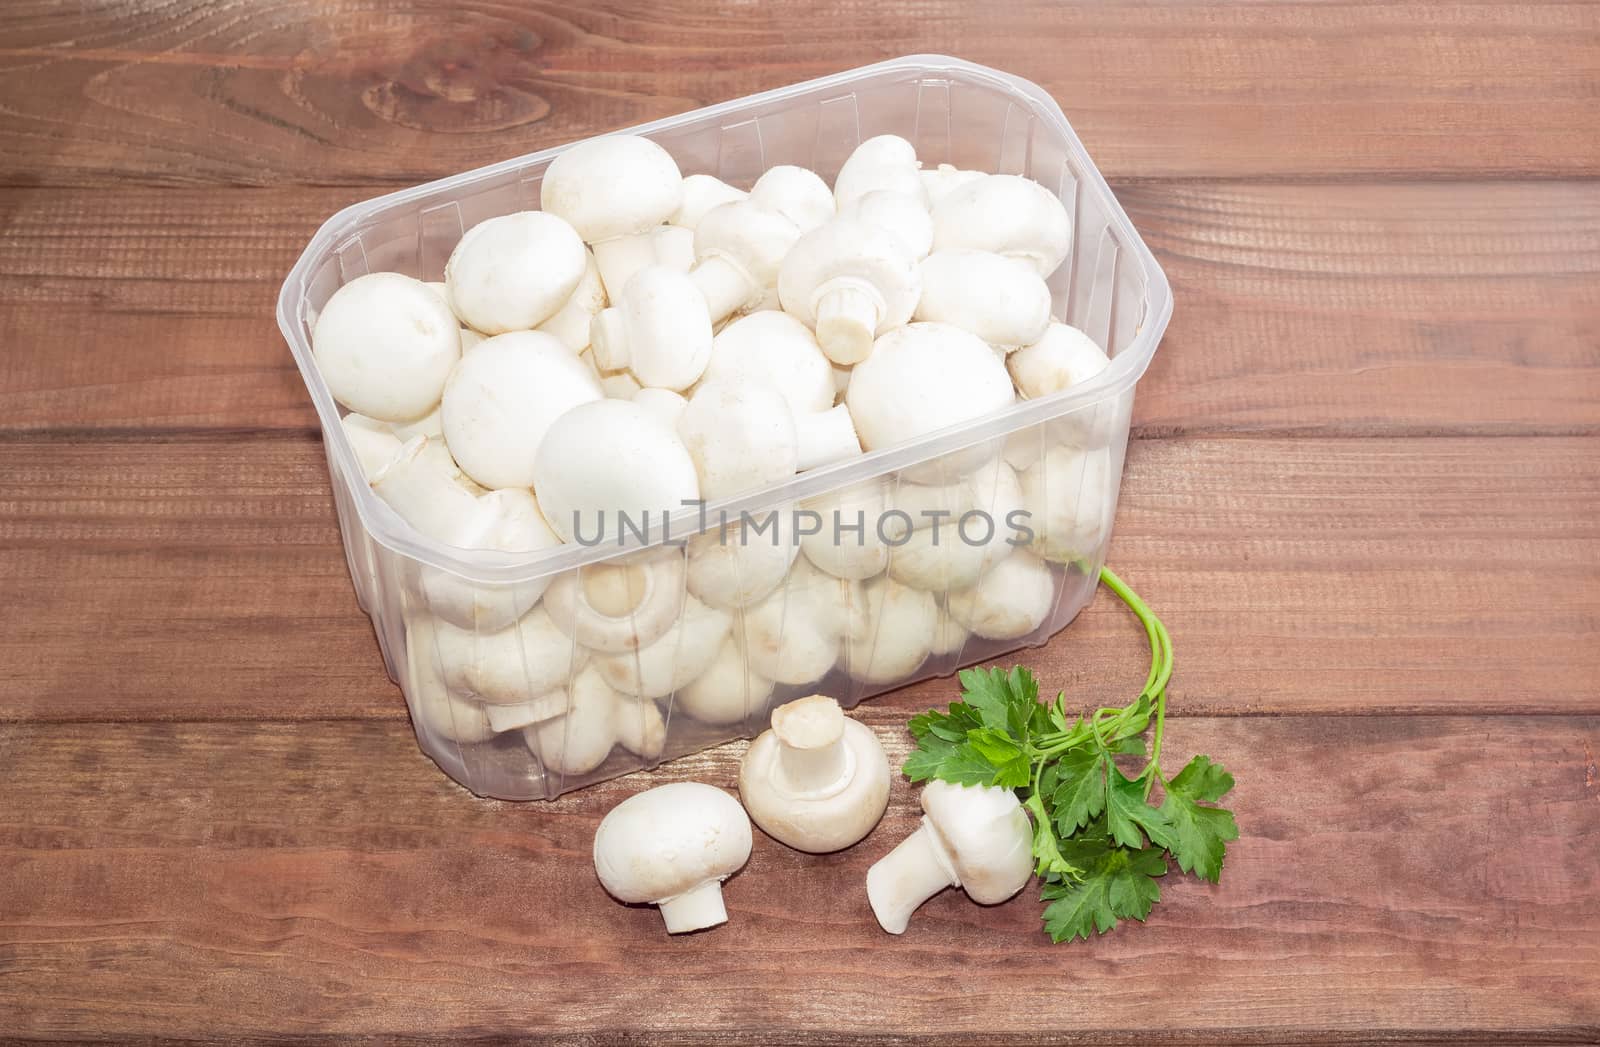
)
(1364, 494)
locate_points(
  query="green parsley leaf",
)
(1127, 813)
(1050, 864)
(1081, 794)
(1199, 835)
(1116, 883)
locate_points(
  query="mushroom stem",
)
(695, 909)
(725, 285)
(813, 761)
(619, 258)
(847, 317)
(826, 436)
(907, 876)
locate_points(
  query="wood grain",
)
(344, 93)
(1325, 309)
(1396, 877)
(190, 578)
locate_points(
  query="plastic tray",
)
(953, 112)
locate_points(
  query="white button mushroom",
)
(503, 397)
(511, 666)
(671, 847)
(507, 521)
(385, 344)
(683, 652)
(774, 348)
(796, 193)
(959, 530)
(374, 442)
(667, 246)
(898, 214)
(924, 377)
(740, 436)
(622, 605)
(1010, 601)
(597, 719)
(1001, 300)
(728, 692)
(663, 404)
(571, 322)
(608, 459)
(974, 837)
(885, 162)
(951, 636)
(848, 542)
(614, 190)
(739, 247)
(514, 272)
(658, 330)
(939, 181)
(849, 282)
(1070, 494)
(418, 488)
(900, 626)
(817, 781)
(1063, 358)
(702, 192)
(794, 636)
(436, 713)
(1006, 214)
(734, 566)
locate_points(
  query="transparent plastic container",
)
(513, 707)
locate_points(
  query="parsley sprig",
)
(1099, 843)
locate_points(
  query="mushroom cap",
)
(986, 834)
(924, 377)
(901, 624)
(702, 192)
(607, 457)
(754, 238)
(951, 551)
(729, 691)
(511, 666)
(735, 566)
(384, 344)
(664, 841)
(503, 397)
(436, 712)
(850, 253)
(1062, 358)
(840, 548)
(774, 348)
(1001, 300)
(885, 162)
(825, 820)
(374, 442)
(514, 272)
(740, 436)
(579, 741)
(794, 635)
(683, 652)
(1011, 600)
(798, 194)
(940, 180)
(570, 323)
(1070, 495)
(898, 214)
(619, 605)
(612, 186)
(1006, 214)
(665, 330)
(507, 521)
(665, 404)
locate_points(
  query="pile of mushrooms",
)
(646, 341)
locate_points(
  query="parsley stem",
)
(1155, 685)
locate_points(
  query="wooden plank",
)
(1320, 308)
(192, 578)
(1397, 878)
(303, 91)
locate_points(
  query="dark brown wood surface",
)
(1364, 495)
